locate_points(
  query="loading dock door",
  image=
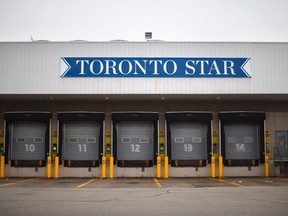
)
(135, 140)
(81, 140)
(28, 141)
(242, 141)
(27, 138)
(242, 138)
(188, 141)
(188, 138)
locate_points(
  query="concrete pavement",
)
(136, 196)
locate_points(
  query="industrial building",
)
(143, 109)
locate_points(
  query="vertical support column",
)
(103, 167)
(166, 159)
(56, 170)
(267, 165)
(2, 151)
(104, 161)
(48, 175)
(267, 151)
(160, 150)
(2, 166)
(214, 150)
(111, 167)
(220, 175)
(220, 167)
(213, 166)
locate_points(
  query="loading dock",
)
(37, 76)
(242, 138)
(189, 138)
(80, 138)
(135, 139)
(27, 140)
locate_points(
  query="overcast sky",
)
(169, 20)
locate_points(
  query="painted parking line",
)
(18, 182)
(157, 183)
(86, 183)
(228, 182)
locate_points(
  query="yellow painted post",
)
(166, 168)
(56, 171)
(48, 167)
(213, 167)
(158, 167)
(2, 166)
(220, 167)
(111, 167)
(266, 165)
(103, 167)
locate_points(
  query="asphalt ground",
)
(144, 196)
(142, 182)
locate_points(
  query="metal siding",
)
(34, 68)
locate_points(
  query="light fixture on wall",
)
(148, 36)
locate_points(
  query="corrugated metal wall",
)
(34, 68)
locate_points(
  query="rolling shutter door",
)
(81, 140)
(188, 138)
(188, 141)
(135, 140)
(28, 141)
(242, 138)
(241, 141)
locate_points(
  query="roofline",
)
(143, 42)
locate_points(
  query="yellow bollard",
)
(166, 168)
(213, 167)
(48, 167)
(111, 167)
(220, 167)
(266, 165)
(103, 167)
(2, 166)
(158, 167)
(56, 171)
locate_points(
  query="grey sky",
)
(169, 20)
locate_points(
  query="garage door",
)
(81, 140)
(241, 141)
(242, 138)
(188, 138)
(188, 141)
(135, 140)
(28, 141)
